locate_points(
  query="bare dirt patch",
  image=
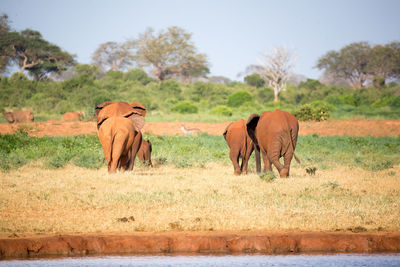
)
(205, 242)
(376, 128)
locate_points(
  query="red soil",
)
(375, 128)
(212, 242)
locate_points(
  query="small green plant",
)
(331, 185)
(184, 107)
(311, 170)
(267, 176)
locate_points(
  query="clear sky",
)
(231, 33)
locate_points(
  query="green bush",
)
(221, 110)
(308, 113)
(254, 80)
(238, 98)
(184, 107)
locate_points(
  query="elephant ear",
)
(139, 108)
(137, 120)
(226, 130)
(251, 124)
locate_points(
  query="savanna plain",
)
(60, 185)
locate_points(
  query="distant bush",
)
(221, 110)
(308, 113)
(184, 107)
(254, 80)
(137, 75)
(238, 98)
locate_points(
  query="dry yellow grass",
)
(34, 200)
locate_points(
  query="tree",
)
(254, 80)
(31, 52)
(114, 56)
(384, 61)
(275, 69)
(4, 54)
(350, 63)
(170, 54)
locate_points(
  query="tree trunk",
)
(276, 95)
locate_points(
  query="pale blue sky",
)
(232, 33)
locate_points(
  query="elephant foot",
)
(284, 173)
(237, 172)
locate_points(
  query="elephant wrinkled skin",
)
(144, 152)
(120, 141)
(275, 134)
(19, 116)
(240, 145)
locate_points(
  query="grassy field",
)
(60, 185)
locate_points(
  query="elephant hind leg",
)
(287, 158)
(267, 162)
(234, 156)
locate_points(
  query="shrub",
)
(184, 107)
(267, 177)
(221, 110)
(254, 80)
(238, 98)
(307, 113)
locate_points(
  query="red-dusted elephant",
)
(19, 116)
(144, 152)
(138, 107)
(240, 145)
(124, 110)
(72, 116)
(120, 141)
(275, 134)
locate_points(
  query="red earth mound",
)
(206, 242)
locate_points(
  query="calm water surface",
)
(226, 260)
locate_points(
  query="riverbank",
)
(200, 242)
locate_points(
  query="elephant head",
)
(9, 117)
(121, 109)
(101, 106)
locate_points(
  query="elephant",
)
(72, 116)
(120, 109)
(275, 134)
(138, 107)
(144, 152)
(120, 141)
(101, 106)
(19, 116)
(240, 144)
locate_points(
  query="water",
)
(211, 260)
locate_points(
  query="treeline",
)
(310, 100)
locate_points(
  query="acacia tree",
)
(4, 54)
(114, 56)
(384, 61)
(170, 54)
(275, 69)
(350, 63)
(34, 54)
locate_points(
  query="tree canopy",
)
(170, 54)
(113, 56)
(31, 52)
(359, 62)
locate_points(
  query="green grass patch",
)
(369, 153)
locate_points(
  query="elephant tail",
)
(291, 143)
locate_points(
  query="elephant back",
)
(122, 109)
